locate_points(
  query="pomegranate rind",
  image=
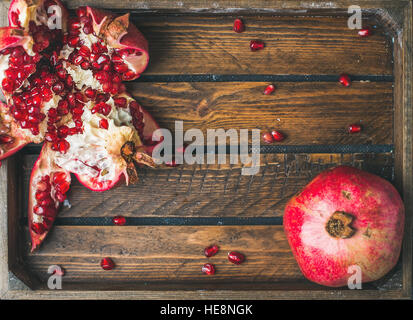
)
(44, 165)
(119, 33)
(378, 220)
(28, 9)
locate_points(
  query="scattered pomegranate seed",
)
(345, 80)
(267, 137)
(269, 89)
(365, 32)
(208, 268)
(236, 257)
(211, 250)
(119, 220)
(107, 264)
(277, 135)
(256, 45)
(354, 128)
(239, 26)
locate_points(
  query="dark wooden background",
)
(203, 73)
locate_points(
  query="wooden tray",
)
(203, 73)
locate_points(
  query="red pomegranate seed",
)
(63, 131)
(84, 51)
(107, 264)
(38, 210)
(119, 220)
(104, 124)
(236, 257)
(88, 28)
(42, 186)
(38, 228)
(239, 26)
(8, 85)
(365, 32)
(81, 11)
(60, 271)
(90, 93)
(256, 45)
(277, 135)
(73, 41)
(267, 137)
(120, 102)
(208, 268)
(121, 67)
(85, 65)
(354, 128)
(211, 250)
(63, 146)
(59, 177)
(269, 89)
(345, 80)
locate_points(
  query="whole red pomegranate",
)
(345, 217)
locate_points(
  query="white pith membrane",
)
(96, 153)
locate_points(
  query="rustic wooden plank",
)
(308, 113)
(168, 294)
(288, 7)
(294, 45)
(211, 190)
(166, 253)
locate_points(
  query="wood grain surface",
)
(306, 112)
(147, 253)
(211, 190)
(293, 45)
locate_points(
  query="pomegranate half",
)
(343, 218)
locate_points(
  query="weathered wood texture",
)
(202, 45)
(145, 253)
(156, 260)
(211, 190)
(308, 113)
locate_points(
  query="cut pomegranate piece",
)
(208, 268)
(236, 257)
(277, 135)
(46, 180)
(211, 250)
(107, 264)
(239, 26)
(64, 86)
(365, 32)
